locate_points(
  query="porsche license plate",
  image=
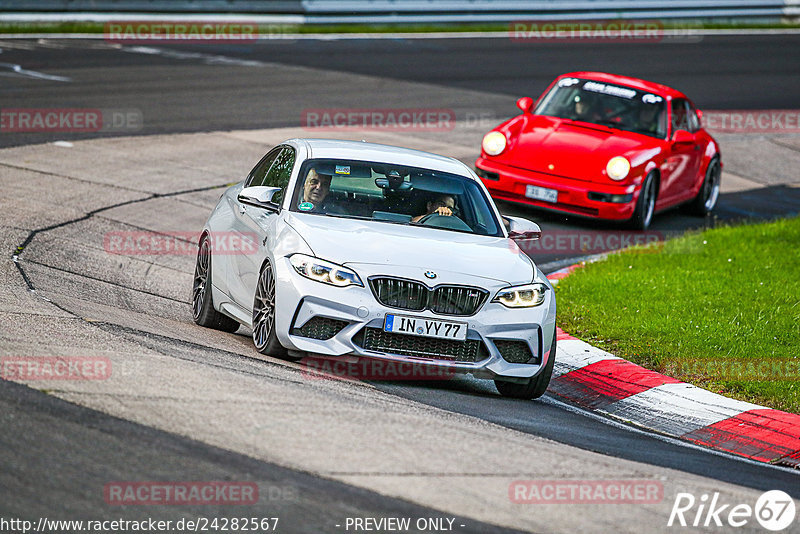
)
(422, 326)
(541, 193)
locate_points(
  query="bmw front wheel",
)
(535, 387)
(264, 337)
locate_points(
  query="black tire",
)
(264, 337)
(646, 204)
(203, 311)
(535, 387)
(707, 197)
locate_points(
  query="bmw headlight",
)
(324, 271)
(618, 168)
(494, 143)
(525, 296)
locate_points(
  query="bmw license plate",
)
(421, 326)
(541, 193)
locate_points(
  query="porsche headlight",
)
(525, 296)
(324, 271)
(494, 143)
(618, 168)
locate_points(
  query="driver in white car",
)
(440, 205)
(315, 191)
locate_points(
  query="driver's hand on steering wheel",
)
(443, 210)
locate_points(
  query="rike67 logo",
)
(774, 511)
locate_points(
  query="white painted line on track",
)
(208, 59)
(18, 70)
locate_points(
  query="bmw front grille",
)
(416, 296)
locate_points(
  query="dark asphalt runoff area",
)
(199, 88)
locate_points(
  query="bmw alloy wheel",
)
(264, 309)
(200, 280)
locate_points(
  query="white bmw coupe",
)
(351, 248)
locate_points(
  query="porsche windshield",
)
(611, 105)
(394, 194)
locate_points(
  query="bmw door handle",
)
(242, 209)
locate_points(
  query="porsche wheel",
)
(264, 337)
(706, 198)
(535, 387)
(203, 311)
(645, 205)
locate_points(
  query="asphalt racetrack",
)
(185, 403)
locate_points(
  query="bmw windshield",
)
(607, 104)
(394, 193)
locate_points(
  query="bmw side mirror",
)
(525, 104)
(520, 229)
(260, 196)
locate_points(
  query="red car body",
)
(570, 156)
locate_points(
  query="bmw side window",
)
(679, 120)
(259, 172)
(280, 172)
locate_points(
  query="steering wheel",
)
(427, 218)
(450, 222)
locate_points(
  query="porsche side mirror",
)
(682, 137)
(699, 114)
(520, 229)
(260, 196)
(525, 104)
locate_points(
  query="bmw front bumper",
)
(354, 319)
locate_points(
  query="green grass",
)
(266, 29)
(688, 307)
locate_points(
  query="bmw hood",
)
(572, 149)
(352, 241)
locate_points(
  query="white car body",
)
(373, 248)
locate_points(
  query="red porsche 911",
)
(604, 146)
